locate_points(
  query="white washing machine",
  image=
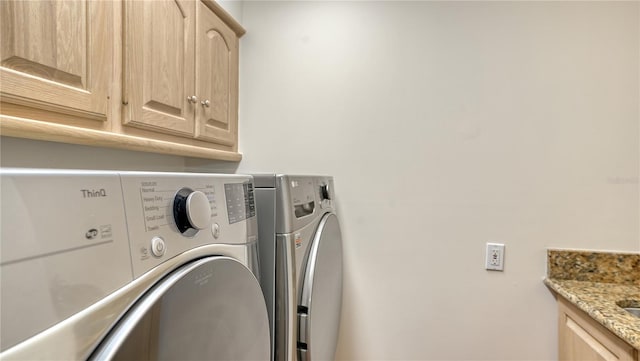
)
(300, 245)
(129, 265)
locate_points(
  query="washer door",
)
(209, 309)
(321, 301)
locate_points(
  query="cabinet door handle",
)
(205, 103)
(192, 99)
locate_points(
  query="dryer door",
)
(321, 301)
(209, 309)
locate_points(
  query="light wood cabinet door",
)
(158, 75)
(57, 55)
(159, 71)
(583, 339)
(216, 78)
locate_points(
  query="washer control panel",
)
(302, 198)
(171, 213)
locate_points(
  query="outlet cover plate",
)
(494, 260)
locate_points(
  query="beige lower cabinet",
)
(583, 339)
(148, 75)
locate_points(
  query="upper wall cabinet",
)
(181, 70)
(57, 55)
(216, 77)
(148, 75)
(159, 73)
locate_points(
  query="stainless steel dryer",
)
(129, 265)
(300, 247)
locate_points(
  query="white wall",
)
(233, 7)
(448, 125)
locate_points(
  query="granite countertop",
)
(595, 282)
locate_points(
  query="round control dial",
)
(324, 192)
(191, 211)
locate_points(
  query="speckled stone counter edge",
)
(598, 300)
(595, 281)
(608, 267)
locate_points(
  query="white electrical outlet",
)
(495, 257)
